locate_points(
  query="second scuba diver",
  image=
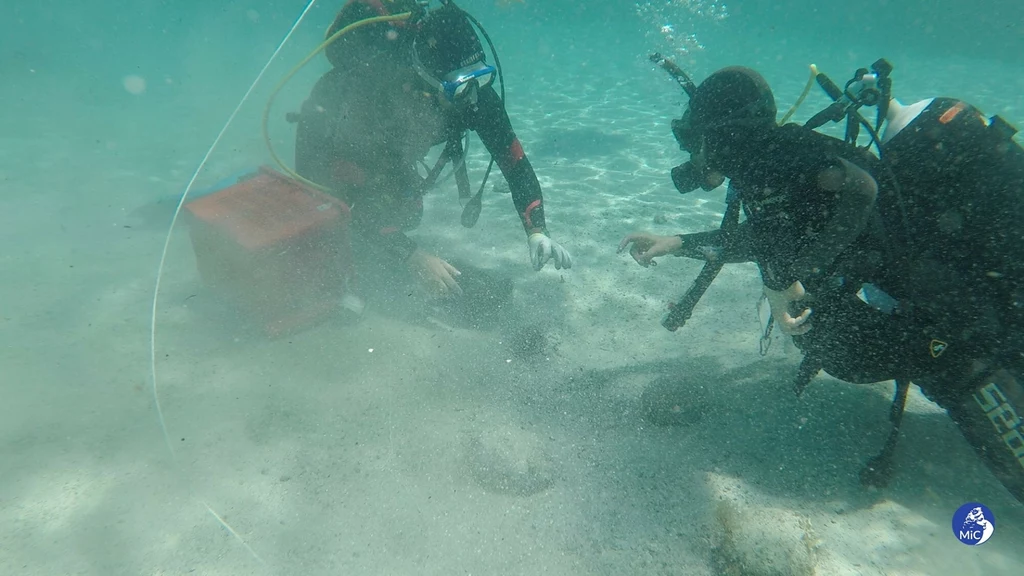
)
(904, 266)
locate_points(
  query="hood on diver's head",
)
(359, 46)
(730, 105)
(447, 41)
(732, 93)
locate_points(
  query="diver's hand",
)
(646, 247)
(780, 304)
(437, 276)
(543, 249)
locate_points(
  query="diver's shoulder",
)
(797, 138)
(795, 141)
(793, 132)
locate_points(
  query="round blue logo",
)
(973, 524)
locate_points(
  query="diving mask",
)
(455, 84)
(695, 172)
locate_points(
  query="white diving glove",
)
(543, 249)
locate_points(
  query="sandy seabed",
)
(565, 434)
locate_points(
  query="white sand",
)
(327, 458)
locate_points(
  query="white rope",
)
(167, 243)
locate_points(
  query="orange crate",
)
(275, 248)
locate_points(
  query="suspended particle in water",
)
(134, 84)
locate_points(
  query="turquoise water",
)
(369, 448)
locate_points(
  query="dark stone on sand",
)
(528, 341)
(661, 219)
(500, 186)
(486, 296)
(509, 460)
(673, 401)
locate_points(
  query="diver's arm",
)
(732, 247)
(856, 191)
(397, 245)
(372, 220)
(492, 125)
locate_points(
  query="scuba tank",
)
(957, 218)
(949, 196)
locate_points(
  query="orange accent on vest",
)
(948, 115)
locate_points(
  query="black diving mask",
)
(687, 177)
(684, 133)
(691, 175)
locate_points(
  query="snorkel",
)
(687, 176)
(683, 176)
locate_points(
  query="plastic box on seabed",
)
(277, 250)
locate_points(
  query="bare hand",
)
(647, 246)
(437, 276)
(780, 304)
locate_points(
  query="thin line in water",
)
(231, 530)
(174, 219)
(166, 247)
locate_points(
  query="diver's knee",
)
(990, 418)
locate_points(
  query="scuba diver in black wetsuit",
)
(397, 89)
(906, 266)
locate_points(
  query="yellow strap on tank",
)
(803, 95)
(287, 77)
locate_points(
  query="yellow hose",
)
(281, 84)
(803, 95)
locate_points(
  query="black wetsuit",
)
(943, 241)
(361, 133)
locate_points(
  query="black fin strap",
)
(878, 470)
(462, 178)
(809, 368)
(442, 161)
